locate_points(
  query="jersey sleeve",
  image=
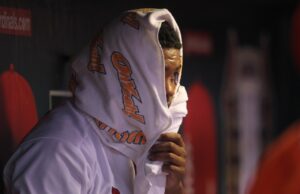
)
(47, 166)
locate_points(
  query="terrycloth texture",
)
(120, 82)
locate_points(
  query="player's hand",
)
(170, 150)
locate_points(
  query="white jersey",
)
(64, 155)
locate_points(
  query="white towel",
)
(121, 83)
(150, 179)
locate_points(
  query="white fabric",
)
(101, 94)
(89, 151)
(64, 155)
(150, 179)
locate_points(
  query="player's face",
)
(173, 61)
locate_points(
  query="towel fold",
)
(150, 178)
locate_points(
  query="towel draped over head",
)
(119, 81)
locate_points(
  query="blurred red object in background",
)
(201, 142)
(18, 112)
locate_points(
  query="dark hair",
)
(168, 38)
